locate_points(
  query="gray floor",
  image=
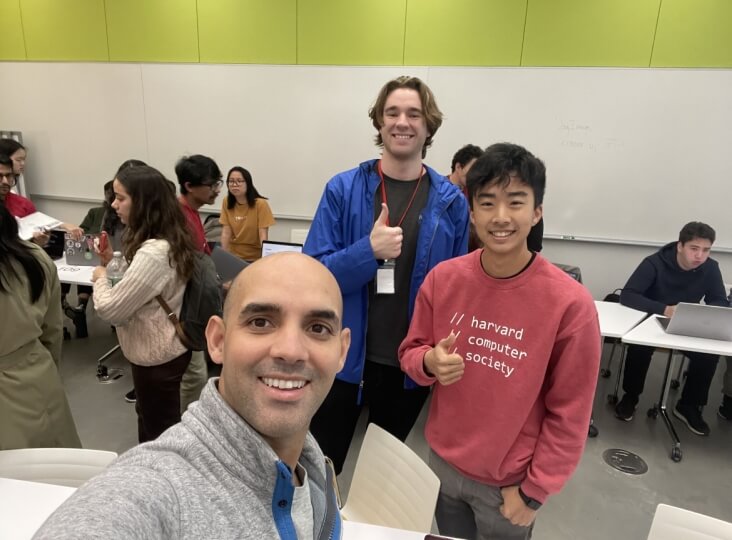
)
(598, 503)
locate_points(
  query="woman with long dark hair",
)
(245, 215)
(35, 412)
(160, 252)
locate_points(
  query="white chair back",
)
(391, 485)
(62, 466)
(672, 523)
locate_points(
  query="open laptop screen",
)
(270, 246)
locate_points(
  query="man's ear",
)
(345, 345)
(215, 337)
(538, 213)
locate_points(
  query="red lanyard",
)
(383, 194)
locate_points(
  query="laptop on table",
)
(699, 320)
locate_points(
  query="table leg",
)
(104, 374)
(612, 399)
(605, 372)
(660, 408)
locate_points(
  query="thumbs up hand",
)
(386, 242)
(447, 367)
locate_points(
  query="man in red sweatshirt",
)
(513, 345)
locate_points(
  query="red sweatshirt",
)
(531, 347)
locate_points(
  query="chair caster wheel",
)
(653, 413)
(612, 399)
(676, 454)
(605, 373)
(675, 384)
(593, 432)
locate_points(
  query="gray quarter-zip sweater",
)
(210, 476)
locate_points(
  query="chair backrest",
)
(391, 485)
(672, 523)
(62, 466)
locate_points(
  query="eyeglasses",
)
(214, 185)
(235, 182)
(9, 177)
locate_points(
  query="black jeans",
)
(698, 377)
(391, 407)
(158, 396)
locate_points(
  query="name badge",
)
(385, 278)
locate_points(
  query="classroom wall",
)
(584, 33)
(619, 33)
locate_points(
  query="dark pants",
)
(80, 289)
(391, 407)
(158, 396)
(698, 377)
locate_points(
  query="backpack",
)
(202, 299)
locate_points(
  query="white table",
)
(24, 506)
(76, 275)
(363, 531)
(616, 320)
(651, 334)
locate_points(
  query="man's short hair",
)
(197, 170)
(432, 113)
(696, 229)
(465, 155)
(499, 162)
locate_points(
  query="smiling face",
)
(503, 214)
(281, 345)
(122, 202)
(403, 129)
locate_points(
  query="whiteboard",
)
(631, 154)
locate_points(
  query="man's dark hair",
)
(696, 229)
(499, 162)
(198, 170)
(5, 160)
(465, 155)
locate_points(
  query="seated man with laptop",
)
(680, 272)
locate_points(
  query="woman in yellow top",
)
(245, 216)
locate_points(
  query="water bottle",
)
(116, 268)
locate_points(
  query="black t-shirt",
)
(388, 314)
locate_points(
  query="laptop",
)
(699, 320)
(82, 252)
(227, 265)
(270, 246)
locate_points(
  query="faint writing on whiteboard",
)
(593, 145)
(571, 126)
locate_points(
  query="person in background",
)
(17, 205)
(461, 163)
(380, 228)
(241, 463)
(199, 181)
(511, 346)
(160, 252)
(245, 216)
(97, 219)
(35, 411)
(680, 271)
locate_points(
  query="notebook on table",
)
(699, 320)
